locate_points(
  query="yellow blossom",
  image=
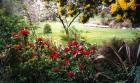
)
(118, 18)
(123, 4)
(132, 4)
(114, 7)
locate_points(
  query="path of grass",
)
(90, 34)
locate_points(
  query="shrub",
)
(9, 24)
(47, 29)
(39, 61)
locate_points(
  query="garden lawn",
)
(90, 34)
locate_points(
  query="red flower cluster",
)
(54, 54)
(24, 31)
(39, 39)
(64, 62)
(72, 43)
(56, 69)
(17, 46)
(75, 52)
(30, 45)
(15, 35)
(82, 66)
(70, 74)
(34, 54)
(85, 52)
(66, 50)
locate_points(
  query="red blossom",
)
(15, 35)
(92, 49)
(34, 54)
(69, 43)
(66, 50)
(87, 53)
(56, 69)
(64, 62)
(24, 31)
(82, 66)
(81, 48)
(70, 74)
(82, 52)
(30, 45)
(74, 43)
(75, 52)
(18, 46)
(39, 39)
(54, 55)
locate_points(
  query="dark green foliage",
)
(47, 29)
(9, 24)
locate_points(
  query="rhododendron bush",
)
(41, 61)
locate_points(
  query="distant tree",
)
(10, 7)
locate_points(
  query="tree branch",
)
(73, 20)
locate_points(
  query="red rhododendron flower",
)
(82, 52)
(54, 55)
(87, 53)
(24, 31)
(40, 39)
(92, 50)
(69, 43)
(82, 66)
(18, 46)
(64, 62)
(66, 50)
(34, 54)
(15, 35)
(56, 69)
(74, 43)
(70, 74)
(81, 48)
(30, 45)
(75, 52)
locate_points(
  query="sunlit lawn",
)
(90, 34)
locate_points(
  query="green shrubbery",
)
(9, 24)
(47, 29)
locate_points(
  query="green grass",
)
(90, 34)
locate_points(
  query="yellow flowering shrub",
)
(118, 18)
(114, 8)
(59, 11)
(83, 18)
(132, 4)
(70, 12)
(123, 4)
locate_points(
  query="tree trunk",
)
(67, 34)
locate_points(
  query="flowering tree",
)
(73, 8)
(125, 9)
